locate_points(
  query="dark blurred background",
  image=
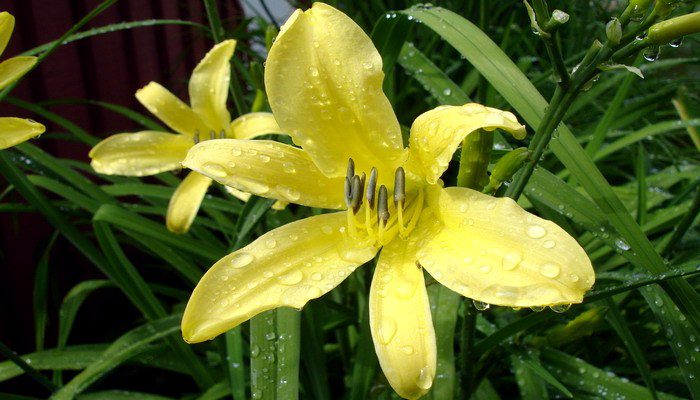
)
(109, 67)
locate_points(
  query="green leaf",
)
(514, 86)
(70, 358)
(41, 289)
(71, 304)
(582, 378)
(126, 347)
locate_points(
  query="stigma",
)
(382, 219)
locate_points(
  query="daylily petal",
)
(139, 154)
(489, 249)
(185, 202)
(209, 86)
(324, 81)
(266, 168)
(13, 69)
(288, 267)
(7, 24)
(171, 110)
(17, 130)
(251, 125)
(243, 196)
(436, 134)
(400, 320)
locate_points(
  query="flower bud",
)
(506, 167)
(663, 8)
(638, 9)
(613, 30)
(666, 31)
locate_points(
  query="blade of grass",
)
(41, 289)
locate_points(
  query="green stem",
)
(33, 373)
(641, 170)
(92, 14)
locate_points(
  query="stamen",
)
(212, 135)
(196, 136)
(382, 205)
(371, 186)
(222, 134)
(356, 200)
(399, 187)
(351, 169)
(418, 208)
(348, 191)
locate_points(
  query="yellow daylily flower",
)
(151, 152)
(324, 81)
(14, 130)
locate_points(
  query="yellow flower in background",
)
(324, 81)
(151, 152)
(14, 130)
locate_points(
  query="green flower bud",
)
(663, 8)
(638, 9)
(666, 31)
(613, 30)
(506, 167)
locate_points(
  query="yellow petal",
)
(250, 125)
(243, 196)
(209, 86)
(489, 249)
(13, 69)
(324, 81)
(285, 267)
(185, 202)
(17, 130)
(171, 110)
(436, 134)
(268, 169)
(7, 24)
(139, 154)
(400, 321)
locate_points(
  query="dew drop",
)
(425, 378)
(327, 229)
(313, 71)
(291, 278)
(214, 169)
(550, 270)
(536, 231)
(621, 245)
(537, 308)
(676, 42)
(511, 260)
(242, 259)
(387, 329)
(560, 308)
(549, 244)
(408, 350)
(271, 243)
(480, 305)
(317, 276)
(485, 269)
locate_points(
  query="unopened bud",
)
(613, 30)
(506, 167)
(662, 8)
(666, 31)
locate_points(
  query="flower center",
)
(212, 135)
(381, 219)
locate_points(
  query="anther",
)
(371, 187)
(383, 205)
(348, 191)
(222, 134)
(196, 136)
(400, 187)
(212, 135)
(356, 200)
(351, 169)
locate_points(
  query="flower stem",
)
(467, 349)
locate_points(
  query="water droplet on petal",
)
(271, 243)
(548, 244)
(536, 231)
(291, 278)
(480, 305)
(511, 260)
(214, 170)
(425, 378)
(560, 308)
(550, 270)
(407, 350)
(387, 329)
(242, 259)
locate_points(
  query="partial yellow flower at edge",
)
(324, 78)
(150, 152)
(14, 130)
